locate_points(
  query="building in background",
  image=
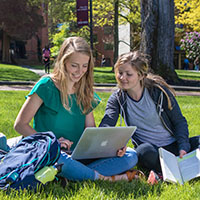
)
(34, 46)
(103, 45)
(30, 51)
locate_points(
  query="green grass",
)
(11, 102)
(16, 73)
(37, 67)
(189, 75)
(101, 74)
(104, 75)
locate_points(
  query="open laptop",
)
(102, 142)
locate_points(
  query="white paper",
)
(175, 169)
(169, 165)
(190, 165)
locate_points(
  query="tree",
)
(63, 32)
(116, 33)
(21, 23)
(61, 12)
(103, 14)
(157, 39)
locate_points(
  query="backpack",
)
(18, 166)
(46, 53)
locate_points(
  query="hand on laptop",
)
(121, 151)
(64, 143)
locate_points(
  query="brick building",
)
(33, 47)
(30, 51)
(103, 40)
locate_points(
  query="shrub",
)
(191, 44)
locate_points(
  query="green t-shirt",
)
(52, 116)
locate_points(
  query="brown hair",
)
(140, 62)
(84, 88)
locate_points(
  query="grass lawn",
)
(190, 75)
(101, 74)
(105, 75)
(16, 73)
(11, 102)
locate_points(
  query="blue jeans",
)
(77, 171)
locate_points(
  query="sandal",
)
(134, 174)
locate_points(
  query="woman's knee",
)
(74, 170)
(131, 156)
(148, 156)
(195, 142)
(145, 149)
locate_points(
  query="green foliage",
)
(104, 75)
(58, 39)
(60, 12)
(23, 21)
(64, 12)
(188, 14)
(16, 73)
(130, 11)
(191, 44)
(65, 32)
(103, 12)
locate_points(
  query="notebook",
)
(102, 142)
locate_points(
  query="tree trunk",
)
(157, 37)
(116, 34)
(5, 48)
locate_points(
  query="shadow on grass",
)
(191, 77)
(103, 71)
(110, 190)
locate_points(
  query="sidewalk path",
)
(37, 71)
(97, 89)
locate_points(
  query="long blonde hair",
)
(140, 62)
(84, 88)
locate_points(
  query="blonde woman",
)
(146, 101)
(63, 103)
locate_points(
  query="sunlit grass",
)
(101, 74)
(190, 75)
(16, 73)
(11, 102)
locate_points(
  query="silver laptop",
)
(101, 142)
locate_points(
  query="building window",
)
(108, 46)
(107, 30)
